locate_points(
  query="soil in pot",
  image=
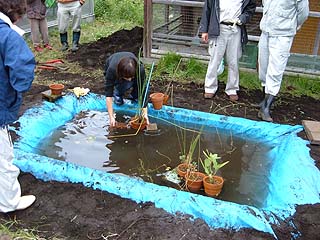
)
(213, 187)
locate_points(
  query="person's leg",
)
(263, 57)
(233, 54)
(63, 15)
(34, 26)
(44, 33)
(279, 52)
(216, 51)
(10, 190)
(76, 25)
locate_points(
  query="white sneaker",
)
(25, 202)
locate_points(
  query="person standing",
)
(222, 25)
(279, 24)
(125, 78)
(36, 13)
(17, 64)
(69, 9)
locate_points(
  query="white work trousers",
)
(67, 11)
(227, 43)
(10, 191)
(274, 52)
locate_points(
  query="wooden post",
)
(147, 30)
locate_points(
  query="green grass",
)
(11, 230)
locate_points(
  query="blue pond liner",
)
(294, 178)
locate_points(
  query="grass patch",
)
(120, 11)
(11, 230)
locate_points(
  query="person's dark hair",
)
(14, 9)
(126, 68)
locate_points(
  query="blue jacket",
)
(210, 20)
(17, 65)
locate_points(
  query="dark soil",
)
(72, 211)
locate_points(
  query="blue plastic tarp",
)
(294, 178)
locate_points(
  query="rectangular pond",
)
(270, 169)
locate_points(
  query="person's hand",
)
(82, 2)
(204, 37)
(112, 121)
(238, 21)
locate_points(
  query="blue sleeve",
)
(20, 62)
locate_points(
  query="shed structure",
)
(172, 26)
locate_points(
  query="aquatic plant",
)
(211, 165)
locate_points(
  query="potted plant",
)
(212, 183)
(138, 121)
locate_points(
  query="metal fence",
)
(172, 26)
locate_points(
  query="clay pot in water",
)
(182, 169)
(213, 187)
(157, 100)
(194, 181)
(136, 123)
(56, 88)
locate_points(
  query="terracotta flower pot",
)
(213, 189)
(194, 181)
(182, 169)
(56, 88)
(135, 123)
(157, 100)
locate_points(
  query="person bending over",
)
(124, 78)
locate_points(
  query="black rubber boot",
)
(64, 41)
(75, 41)
(264, 112)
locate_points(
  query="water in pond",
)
(87, 141)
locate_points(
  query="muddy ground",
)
(72, 211)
